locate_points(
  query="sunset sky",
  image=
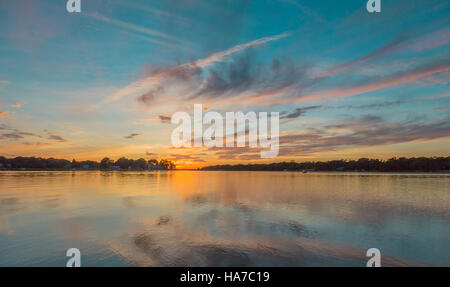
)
(105, 82)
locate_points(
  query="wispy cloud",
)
(16, 105)
(186, 157)
(432, 40)
(444, 110)
(352, 133)
(393, 45)
(57, 138)
(158, 42)
(219, 56)
(12, 133)
(36, 144)
(158, 12)
(52, 136)
(402, 42)
(394, 80)
(185, 70)
(370, 131)
(297, 112)
(305, 10)
(133, 27)
(163, 118)
(131, 136)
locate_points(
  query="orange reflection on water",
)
(198, 218)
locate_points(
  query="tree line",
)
(362, 164)
(106, 163)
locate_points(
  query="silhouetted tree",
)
(362, 164)
(123, 163)
(139, 164)
(106, 163)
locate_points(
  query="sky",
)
(105, 82)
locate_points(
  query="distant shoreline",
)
(280, 171)
(348, 171)
(400, 165)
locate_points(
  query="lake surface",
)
(212, 218)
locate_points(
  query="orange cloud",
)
(164, 118)
(269, 94)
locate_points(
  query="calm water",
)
(190, 218)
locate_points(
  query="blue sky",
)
(347, 83)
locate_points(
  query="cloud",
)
(184, 71)
(146, 98)
(164, 14)
(412, 75)
(54, 137)
(11, 136)
(368, 131)
(15, 134)
(3, 114)
(4, 127)
(433, 40)
(386, 104)
(444, 110)
(219, 56)
(57, 138)
(36, 144)
(297, 112)
(233, 77)
(163, 118)
(133, 27)
(394, 44)
(16, 105)
(243, 74)
(131, 136)
(243, 80)
(373, 105)
(351, 133)
(241, 153)
(305, 10)
(355, 123)
(18, 135)
(38, 23)
(185, 157)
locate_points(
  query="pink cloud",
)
(365, 88)
(433, 40)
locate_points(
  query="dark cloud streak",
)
(131, 136)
